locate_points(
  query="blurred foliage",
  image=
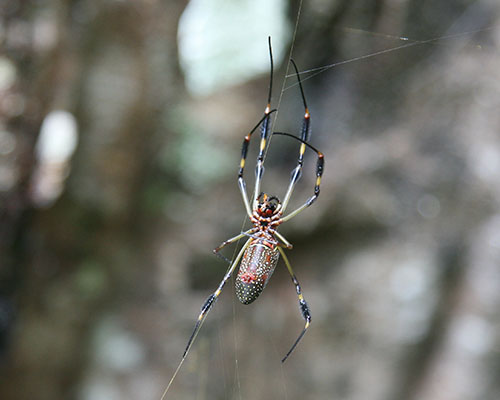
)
(101, 282)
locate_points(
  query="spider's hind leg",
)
(209, 302)
(304, 308)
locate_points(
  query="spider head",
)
(267, 206)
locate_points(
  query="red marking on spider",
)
(247, 277)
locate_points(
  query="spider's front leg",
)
(319, 172)
(297, 171)
(304, 137)
(265, 126)
(320, 165)
(264, 123)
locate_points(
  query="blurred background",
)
(120, 131)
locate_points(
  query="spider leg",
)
(304, 137)
(319, 173)
(232, 240)
(304, 308)
(265, 125)
(286, 243)
(209, 302)
(259, 169)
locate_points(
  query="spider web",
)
(306, 75)
(237, 377)
(245, 219)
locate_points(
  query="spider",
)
(260, 253)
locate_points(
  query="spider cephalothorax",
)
(267, 214)
(268, 206)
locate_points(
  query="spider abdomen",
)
(257, 266)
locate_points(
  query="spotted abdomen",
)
(257, 266)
